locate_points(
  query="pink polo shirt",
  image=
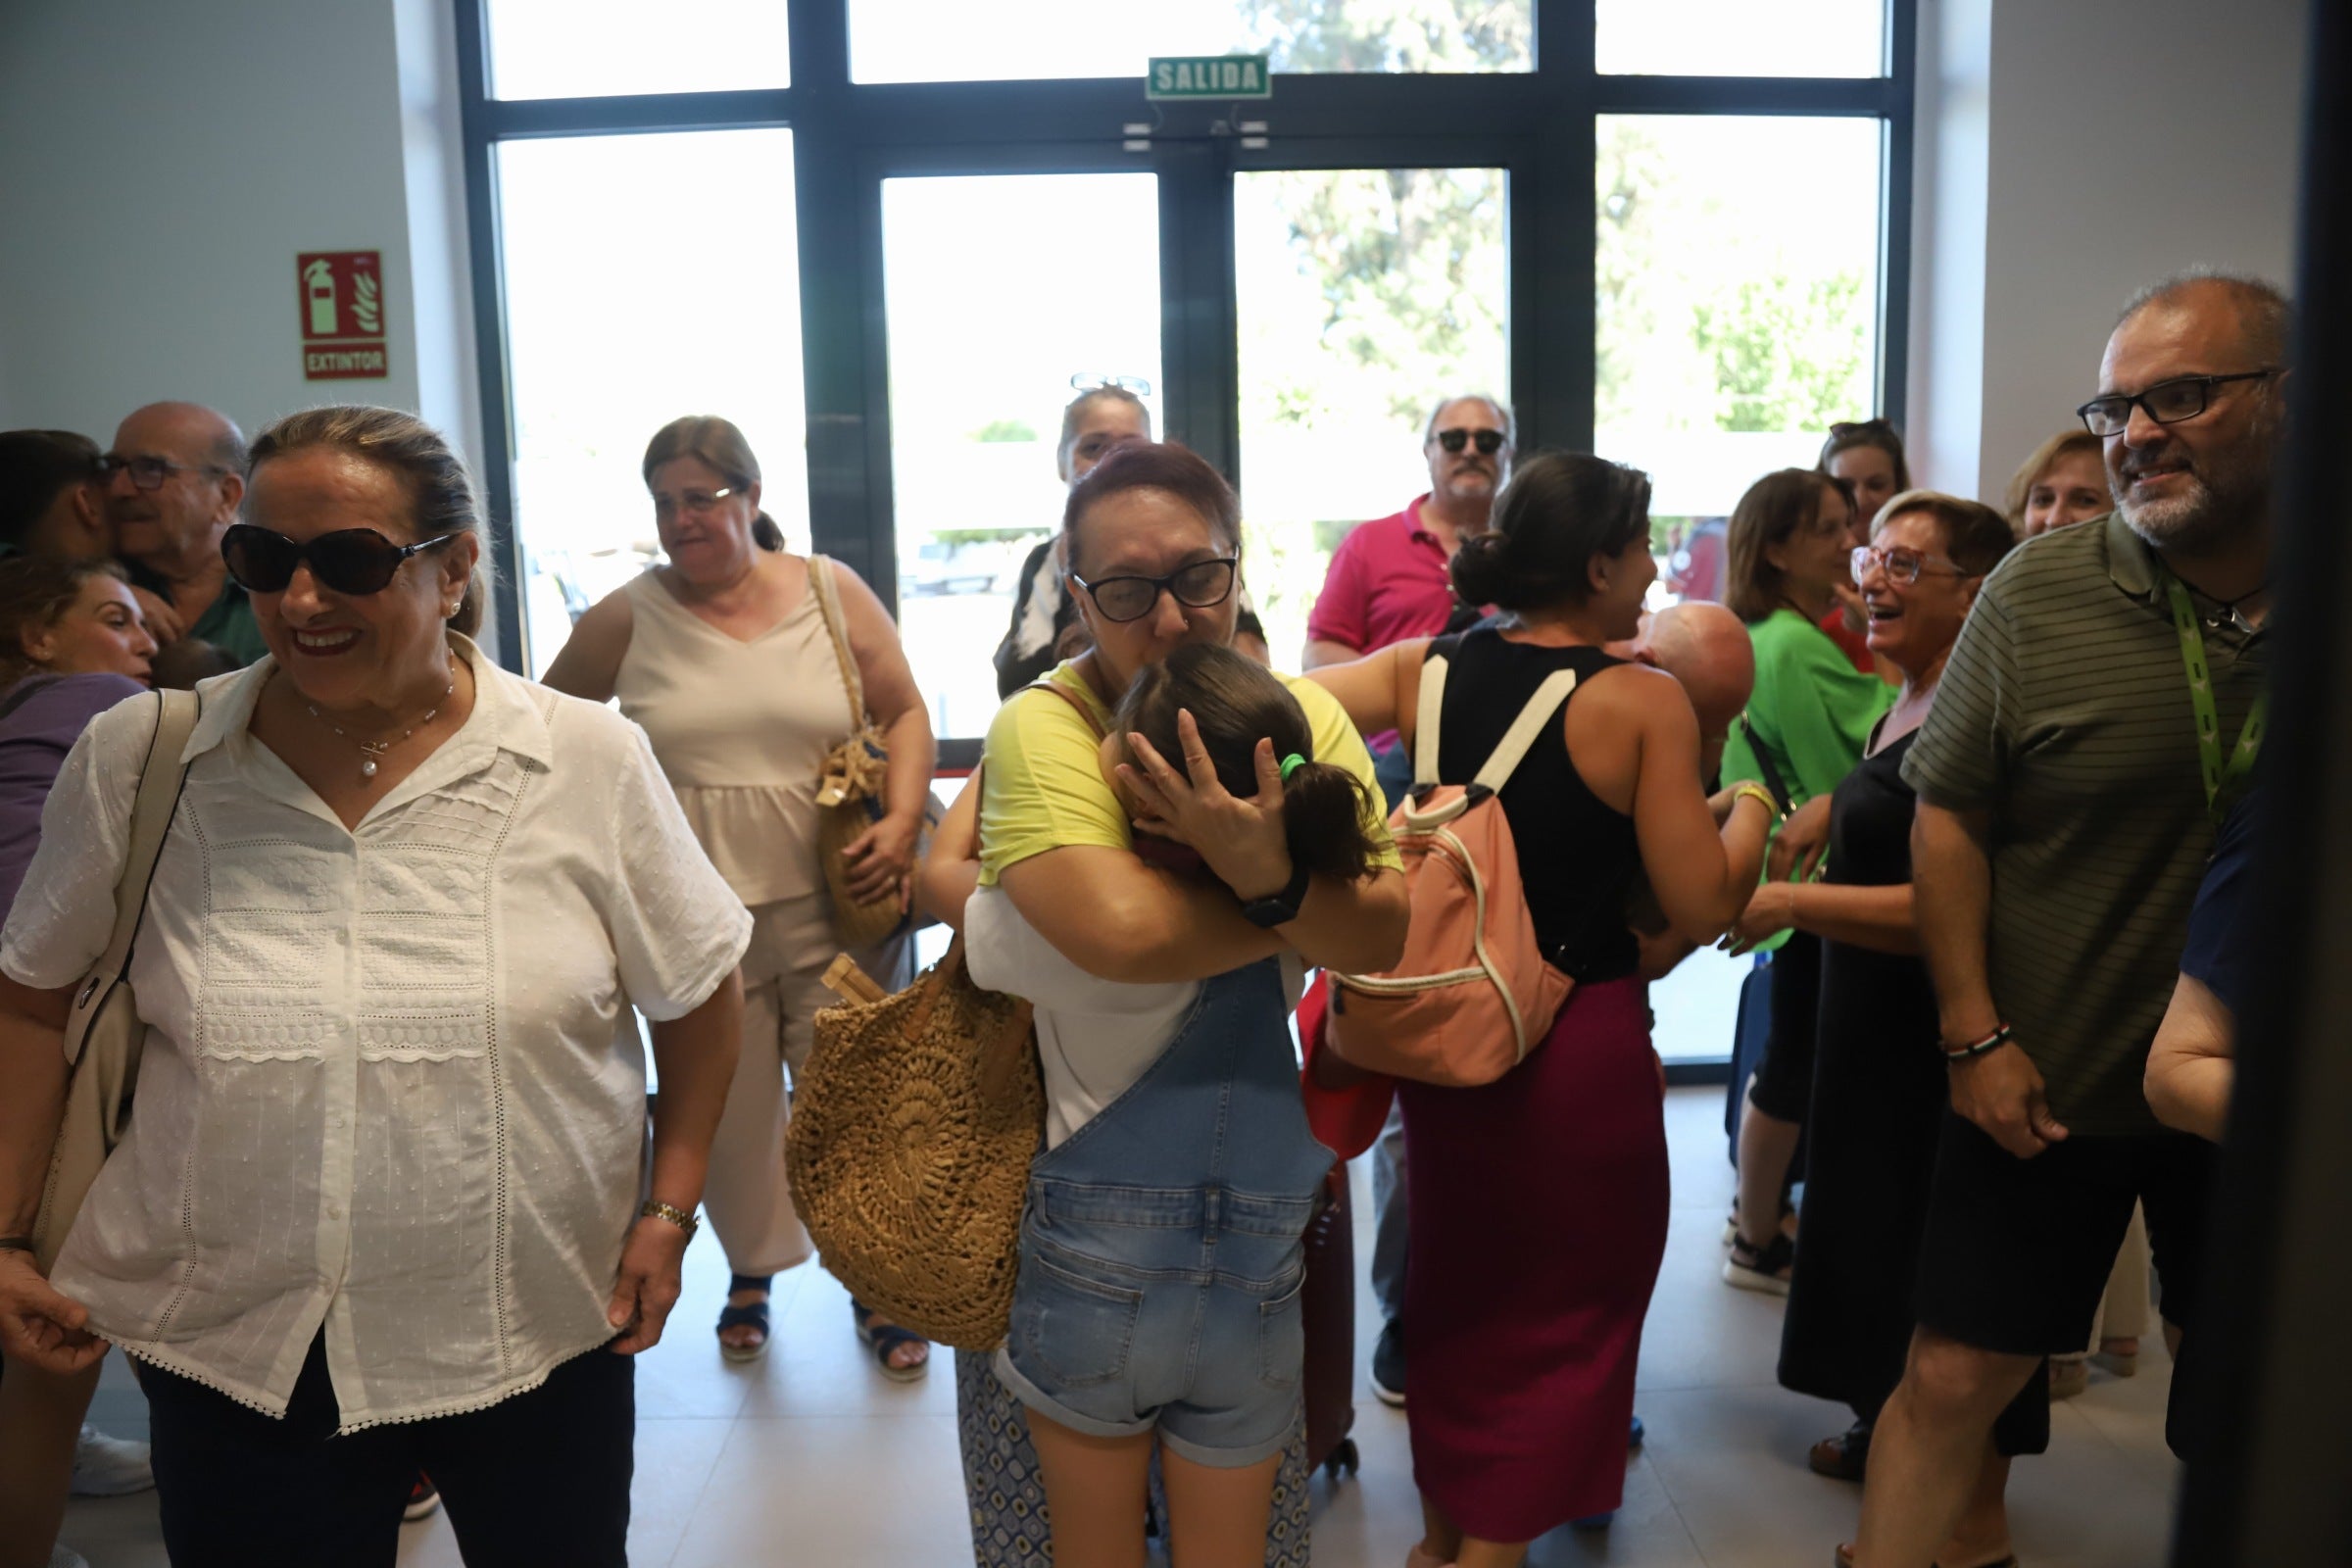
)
(1387, 582)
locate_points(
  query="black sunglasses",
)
(1197, 586)
(1489, 442)
(349, 560)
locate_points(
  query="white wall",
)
(162, 165)
(2118, 140)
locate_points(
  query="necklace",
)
(371, 751)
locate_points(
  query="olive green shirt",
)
(228, 623)
(2065, 714)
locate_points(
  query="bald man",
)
(1705, 646)
(175, 478)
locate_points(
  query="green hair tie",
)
(1291, 765)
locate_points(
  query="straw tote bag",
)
(104, 1034)
(850, 787)
(912, 1128)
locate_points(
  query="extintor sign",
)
(342, 295)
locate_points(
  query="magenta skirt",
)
(1539, 1220)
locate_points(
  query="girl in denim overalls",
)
(1160, 1253)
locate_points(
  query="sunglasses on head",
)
(1489, 442)
(349, 560)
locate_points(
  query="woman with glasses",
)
(724, 654)
(1207, 1115)
(1790, 549)
(1046, 629)
(1866, 455)
(1880, 1093)
(383, 1207)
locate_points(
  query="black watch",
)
(1279, 908)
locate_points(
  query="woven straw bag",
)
(914, 1125)
(105, 1036)
(850, 787)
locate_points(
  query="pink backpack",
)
(1473, 993)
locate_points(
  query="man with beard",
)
(2100, 712)
(1390, 580)
(175, 478)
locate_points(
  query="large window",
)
(884, 236)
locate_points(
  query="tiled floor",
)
(810, 1458)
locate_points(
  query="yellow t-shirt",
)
(1043, 788)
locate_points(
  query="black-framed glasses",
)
(1905, 566)
(148, 473)
(1103, 381)
(2183, 397)
(1197, 586)
(1489, 442)
(349, 560)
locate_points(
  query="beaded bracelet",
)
(1991, 1042)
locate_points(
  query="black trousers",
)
(540, 1479)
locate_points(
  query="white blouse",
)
(383, 1087)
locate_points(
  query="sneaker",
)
(2070, 1375)
(1768, 1271)
(1388, 1365)
(109, 1467)
(66, 1557)
(424, 1499)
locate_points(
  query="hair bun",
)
(1483, 567)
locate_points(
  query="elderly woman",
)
(725, 655)
(2063, 483)
(1791, 546)
(1085, 924)
(1878, 1086)
(380, 1205)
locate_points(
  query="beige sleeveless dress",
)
(739, 728)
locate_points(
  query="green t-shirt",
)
(1811, 710)
(2065, 712)
(229, 625)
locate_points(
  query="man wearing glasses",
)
(175, 478)
(1388, 580)
(2099, 713)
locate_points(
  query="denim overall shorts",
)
(1161, 1255)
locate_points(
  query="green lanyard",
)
(2222, 783)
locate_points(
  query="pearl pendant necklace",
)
(371, 751)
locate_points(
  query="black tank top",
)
(1577, 857)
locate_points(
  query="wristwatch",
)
(1279, 908)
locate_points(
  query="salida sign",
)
(342, 295)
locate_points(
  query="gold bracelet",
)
(1771, 806)
(655, 1209)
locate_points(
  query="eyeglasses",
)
(1101, 381)
(1197, 586)
(1905, 566)
(2166, 402)
(1489, 442)
(702, 503)
(148, 473)
(349, 560)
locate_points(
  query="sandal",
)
(753, 1315)
(883, 1338)
(1843, 1457)
(1767, 1270)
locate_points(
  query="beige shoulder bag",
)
(104, 1034)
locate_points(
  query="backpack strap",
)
(1425, 721)
(1517, 741)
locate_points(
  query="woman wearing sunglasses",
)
(382, 1206)
(1880, 1093)
(724, 653)
(1153, 554)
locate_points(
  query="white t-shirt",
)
(1095, 1037)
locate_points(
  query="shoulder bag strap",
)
(1071, 697)
(1517, 741)
(161, 778)
(1765, 764)
(828, 604)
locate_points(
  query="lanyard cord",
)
(2221, 781)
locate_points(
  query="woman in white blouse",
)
(383, 1182)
